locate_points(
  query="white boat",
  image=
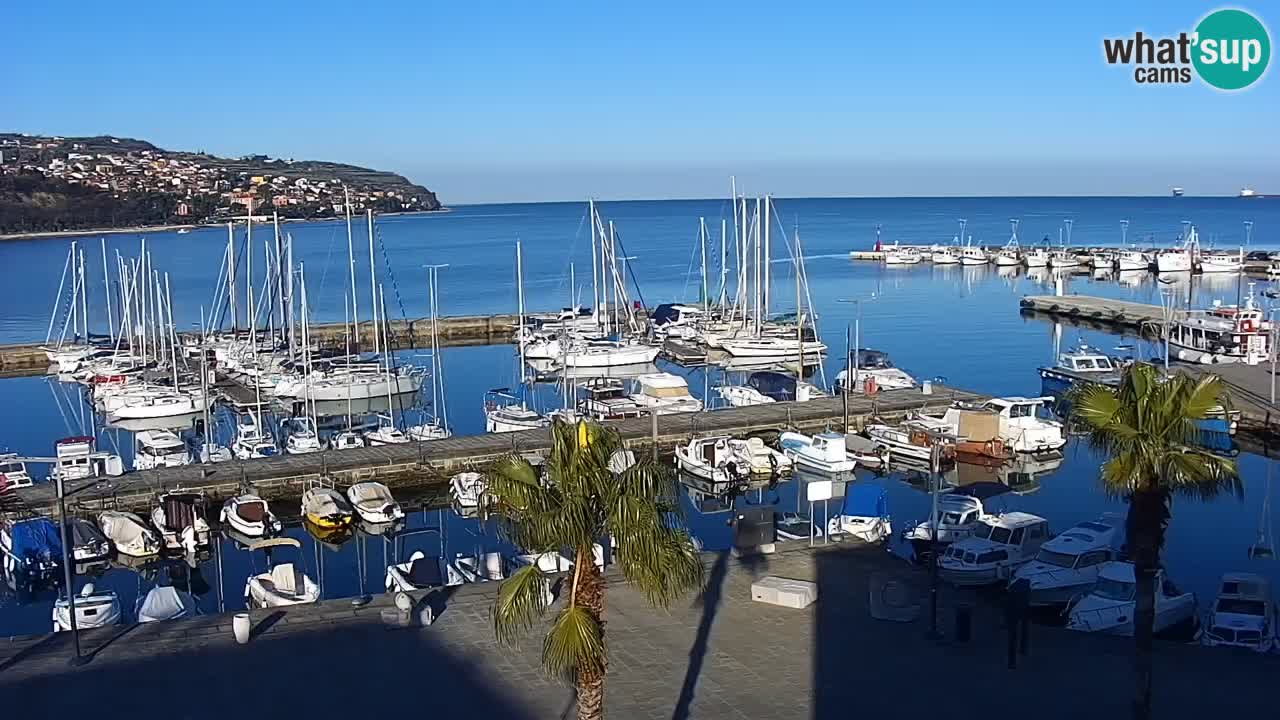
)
(864, 451)
(1008, 256)
(794, 526)
(159, 405)
(945, 255)
(864, 515)
(997, 547)
(724, 459)
(1173, 260)
(250, 516)
(1129, 260)
(374, 503)
(159, 449)
(896, 255)
(874, 371)
(285, 584)
(824, 452)
(165, 603)
(779, 348)
(1222, 334)
(386, 433)
(901, 440)
(1222, 262)
(1022, 427)
(768, 386)
(1067, 566)
(432, 429)
(67, 358)
(360, 385)
(665, 393)
(346, 440)
(179, 517)
(128, 533)
(94, 609)
(302, 437)
(1110, 606)
(326, 508)
(251, 442)
(482, 567)
(77, 458)
(970, 255)
(591, 353)
(504, 412)
(32, 549)
(466, 488)
(1036, 257)
(1243, 615)
(419, 572)
(1059, 259)
(958, 516)
(1102, 260)
(13, 472)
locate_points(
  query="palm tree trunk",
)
(1148, 515)
(590, 595)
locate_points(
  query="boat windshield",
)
(1238, 606)
(987, 531)
(164, 450)
(1114, 589)
(11, 467)
(1056, 559)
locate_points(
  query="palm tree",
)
(1146, 427)
(587, 492)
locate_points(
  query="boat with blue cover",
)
(32, 549)
(865, 514)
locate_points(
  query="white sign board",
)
(819, 490)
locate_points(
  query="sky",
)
(513, 102)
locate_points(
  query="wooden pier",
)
(1097, 310)
(431, 462)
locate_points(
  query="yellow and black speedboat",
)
(327, 509)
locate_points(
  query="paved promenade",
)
(718, 656)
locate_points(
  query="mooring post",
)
(653, 433)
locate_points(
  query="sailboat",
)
(435, 423)
(504, 411)
(386, 433)
(303, 436)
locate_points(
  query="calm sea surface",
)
(961, 324)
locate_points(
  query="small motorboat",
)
(326, 508)
(179, 516)
(864, 516)
(794, 526)
(159, 449)
(1110, 606)
(865, 452)
(32, 549)
(285, 584)
(959, 514)
(906, 440)
(250, 516)
(88, 544)
(1067, 566)
(872, 371)
(726, 459)
(475, 568)
(824, 452)
(466, 488)
(165, 603)
(128, 533)
(418, 573)
(997, 547)
(374, 503)
(93, 610)
(1243, 615)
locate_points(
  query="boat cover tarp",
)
(36, 540)
(123, 529)
(324, 502)
(179, 512)
(371, 494)
(664, 314)
(865, 500)
(779, 386)
(425, 572)
(979, 425)
(867, 358)
(84, 533)
(162, 603)
(253, 511)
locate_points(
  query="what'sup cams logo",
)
(1229, 49)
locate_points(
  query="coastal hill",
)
(52, 183)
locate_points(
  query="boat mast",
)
(346, 331)
(799, 312)
(1124, 233)
(595, 263)
(767, 268)
(289, 318)
(724, 266)
(57, 298)
(173, 332)
(106, 283)
(231, 275)
(351, 259)
(391, 408)
(702, 238)
(373, 283)
(281, 271)
(308, 403)
(250, 312)
(84, 299)
(204, 393)
(520, 308)
(758, 297)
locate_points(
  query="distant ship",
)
(1177, 192)
(1247, 192)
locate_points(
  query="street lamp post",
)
(68, 575)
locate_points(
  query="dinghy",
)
(128, 533)
(179, 516)
(93, 610)
(864, 516)
(374, 503)
(250, 516)
(165, 603)
(285, 584)
(418, 573)
(326, 508)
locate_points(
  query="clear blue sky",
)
(557, 101)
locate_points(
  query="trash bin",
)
(964, 622)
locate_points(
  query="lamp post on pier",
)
(851, 358)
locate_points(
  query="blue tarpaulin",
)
(865, 500)
(36, 542)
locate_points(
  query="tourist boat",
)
(794, 526)
(88, 544)
(1221, 262)
(778, 348)
(1067, 566)
(1064, 258)
(32, 549)
(945, 255)
(284, 585)
(1110, 606)
(13, 472)
(1223, 334)
(326, 508)
(1079, 365)
(374, 503)
(897, 255)
(159, 449)
(1036, 257)
(466, 488)
(664, 394)
(94, 609)
(997, 547)
(1129, 260)
(251, 442)
(724, 459)
(768, 386)
(77, 458)
(1243, 615)
(904, 440)
(419, 572)
(128, 533)
(179, 516)
(504, 412)
(346, 440)
(873, 371)
(164, 602)
(302, 437)
(824, 452)
(970, 255)
(1021, 426)
(864, 515)
(250, 516)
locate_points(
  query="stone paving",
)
(715, 656)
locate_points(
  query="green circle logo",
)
(1232, 49)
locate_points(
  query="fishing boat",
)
(945, 255)
(1009, 255)
(179, 516)
(128, 533)
(466, 488)
(1130, 260)
(1222, 334)
(970, 255)
(165, 602)
(864, 515)
(13, 472)
(976, 433)
(32, 549)
(302, 437)
(1080, 365)
(725, 459)
(664, 394)
(419, 572)
(996, 548)
(504, 412)
(1181, 258)
(1064, 259)
(1243, 615)
(374, 503)
(897, 255)
(1221, 262)
(768, 386)
(1067, 566)
(159, 449)
(284, 585)
(250, 516)
(1111, 605)
(873, 371)
(326, 508)
(1036, 257)
(824, 452)
(88, 544)
(94, 609)
(1102, 260)
(607, 399)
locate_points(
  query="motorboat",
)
(873, 371)
(907, 440)
(824, 452)
(1130, 260)
(1221, 262)
(1102, 260)
(250, 516)
(557, 562)
(374, 503)
(997, 547)
(1036, 257)
(775, 347)
(94, 609)
(466, 488)
(13, 472)
(1066, 566)
(481, 567)
(251, 442)
(945, 255)
(1222, 334)
(346, 440)
(1110, 606)
(419, 572)
(898, 255)
(864, 515)
(665, 393)
(165, 602)
(1080, 365)
(302, 437)
(32, 549)
(77, 458)
(212, 452)
(128, 533)
(794, 526)
(386, 433)
(159, 449)
(285, 584)
(88, 544)
(959, 513)
(766, 386)
(607, 399)
(1008, 256)
(970, 255)
(1022, 427)
(676, 321)
(326, 508)
(179, 516)
(864, 451)
(973, 433)
(1243, 615)
(504, 412)
(1182, 258)
(724, 459)
(1064, 258)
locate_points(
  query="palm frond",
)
(575, 643)
(660, 562)
(521, 601)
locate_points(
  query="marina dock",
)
(1121, 314)
(431, 462)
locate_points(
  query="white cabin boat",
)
(1243, 615)
(251, 442)
(958, 516)
(250, 516)
(945, 255)
(779, 348)
(503, 412)
(159, 449)
(665, 393)
(13, 472)
(1102, 260)
(824, 452)
(1222, 334)
(970, 255)
(724, 459)
(1067, 565)
(897, 255)
(374, 503)
(997, 547)
(1036, 257)
(873, 370)
(1129, 260)
(1222, 262)
(94, 609)
(901, 440)
(1110, 606)
(302, 437)
(78, 458)
(386, 433)
(1021, 426)
(1062, 259)
(346, 440)
(864, 515)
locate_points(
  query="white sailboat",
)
(434, 423)
(503, 411)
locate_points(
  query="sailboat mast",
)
(308, 403)
(106, 283)
(373, 282)
(382, 299)
(520, 307)
(595, 262)
(289, 321)
(767, 270)
(759, 277)
(724, 263)
(281, 270)
(250, 312)
(346, 331)
(799, 310)
(351, 260)
(702, 239)
(231, 275)
(173, 331)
